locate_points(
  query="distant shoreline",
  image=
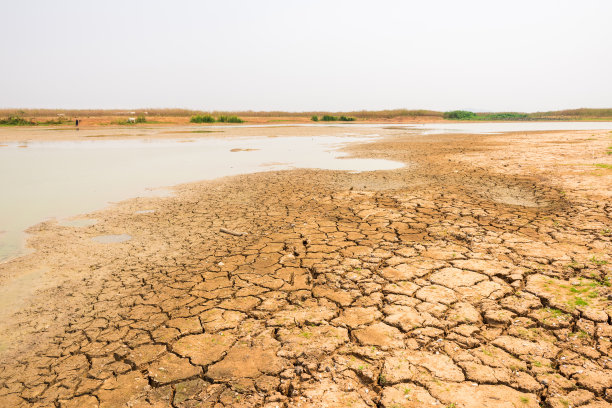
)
(110, 117)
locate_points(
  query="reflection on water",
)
(62, 179)
(112, 239)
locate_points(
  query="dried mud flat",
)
(477, 276)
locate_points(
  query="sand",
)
(476, 276)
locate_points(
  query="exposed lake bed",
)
(343, 277)
(122, 163)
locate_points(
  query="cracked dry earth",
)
(448, 283)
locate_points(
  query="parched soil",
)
(477, 276)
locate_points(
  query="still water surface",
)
(61, 179)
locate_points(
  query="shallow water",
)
(82, 222)
(144, 212)
(111, 239)
(62, 179)
(43, 180)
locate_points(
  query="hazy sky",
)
(307, 55)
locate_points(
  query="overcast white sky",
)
(307, 55)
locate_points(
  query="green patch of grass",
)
(306, 334)
(524, 400)
(459, 115)
(596, 261)
(229, 119)
(382, 380)
(578, 301)
(15, 120)
(331, 118)
(603, 166)
(138, 119)
(575, 290)
(467, 115)
(504, 116)
(583, 335)
(407, 390)
(555, 312)
(314, 118)
(202, 119)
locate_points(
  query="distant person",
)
(77, 124)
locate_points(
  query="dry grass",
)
(581, 114)
(363, 114)
(568, 114)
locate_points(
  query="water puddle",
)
(83, 222)
(61, 179)
(111, 239)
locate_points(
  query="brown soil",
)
(477, 276)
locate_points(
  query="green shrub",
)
(15, 120)
(314, 118)
(141, 119)
(346, 119)
(234, 119)
(329, 118)
(459, 115)
(202, 119)
(504, 116)
(229, 119)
